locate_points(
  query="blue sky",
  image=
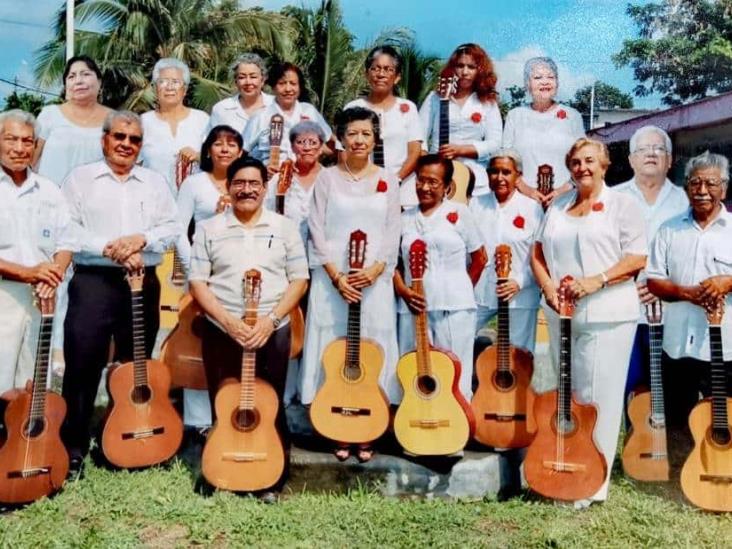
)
(581, 35)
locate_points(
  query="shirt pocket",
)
(7, 229)
(723, 262)
(45, 226)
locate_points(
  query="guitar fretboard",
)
(424, 368)
(353, 335)
(718, 381)
(379, 145)
(504, 341)
(564, 401)
(40, 374)
(655, 332)
(138, 339)
(444, 122)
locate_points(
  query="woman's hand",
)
(272, 170)
(451, 151)
(645, 296)
(507, 290)
(188, 154)
(414, 300)
(347, 291)
(529, 191)
(582, 287)
(365, 277)
(551, 296)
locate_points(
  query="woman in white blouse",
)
(542, 132)
(475, 121)
(399, 125)
(597, 236)
(172, 129)
(353, 195)
(455, 260)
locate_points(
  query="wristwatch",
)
(275, 319)
(605, 279)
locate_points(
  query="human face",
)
(430, 186)
(247, 190)
(382, 75)
(81, 83)
(502, 177)
(466, 69)
(706, 191)
(542, 84)
(224, 151)
(249, 80)
(121, 145)
(16, 146)
(585, 167)
(306, 147)
(650, 158)
(170, 89)
(287, 90)
(358, 140)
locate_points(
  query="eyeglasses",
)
(307, 142)
(172, 83)
(121, 136)
(431, 183)
(711, 184)
(253, 184)
(382, 70)
(654, 149)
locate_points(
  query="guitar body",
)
(503, 404)
(463, 182)
(351, 410)
(141, 429)
(244, 452)
(433, 419)
(32, 466)
(172, 281)
(297, 332)
(706, 477)
(181, 350)
(579, 469)
(641, 459)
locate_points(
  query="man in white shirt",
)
(123, 218)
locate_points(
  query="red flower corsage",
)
(452, 217)
(561, 114)
(381, 186)
(304, 117)
(476, 117)
(598, 207)
(404, 107)
(519, 222)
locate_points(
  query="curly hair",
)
(485, 81)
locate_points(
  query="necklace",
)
(354, 176)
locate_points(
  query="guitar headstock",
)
(417, 259)
(252, 284)
(286, 170)
(503, 261)
(276, 125)
(135, 278)
(566, 301)
(447, 86)
(654, 312)
(714, 309)
(545, 179)
(47, 305)
(357, 250)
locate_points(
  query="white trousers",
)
(196, 408)
(600, 358)
(521, 325)
(19, 323)
(450, 330)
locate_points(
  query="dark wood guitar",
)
(33, 460)
(350, 406)
(142, 427)
(433, 419)
(276, 127)
(244, 452)
(181, 350)
(706, 477)
(645, 455)
(562, 461)
(378, 154)
(463, 179)
(503, 402)
(545, 180)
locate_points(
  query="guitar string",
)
(42, 352)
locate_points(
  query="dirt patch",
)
(162, 537)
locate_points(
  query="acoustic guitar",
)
(706, 477)
(545, 180)
(503, 402)
(563, 462)
(142, 427)
(33, 460)
(350, 406)
(244, 452)
(297, 320)
(181, 351)
(645, 454)
(433, 419)
(276, 127)
(463, 179)
(378, 152)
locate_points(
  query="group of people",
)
(89, 194)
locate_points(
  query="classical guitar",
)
(297, 320)
(463, 179)
(244, 452)
(350, 406)
(378, 153)
(181, 350)
(644, 455)
(276, 127)
(142, 427)
(545, 180)
(563, 462)
(706, 477)
(433, 419)
(504, 400)
(33, 460)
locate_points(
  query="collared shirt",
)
(230, 112)
(514, 223)
(34, 220)
(686, 254)
(224, 249)
(104, 209)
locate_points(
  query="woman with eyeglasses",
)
(172, 131)
(400, 128)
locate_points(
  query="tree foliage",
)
(606, 97)
(29, 102)
(514, 96)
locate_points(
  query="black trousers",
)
(100, 308)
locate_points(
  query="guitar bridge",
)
(721, 479)
(653, 455)
(564, 466)
(244, 457)
(505, 417)
(429, 423)
(29, 473)
(145, 433)
(350, 411)
(170, 308)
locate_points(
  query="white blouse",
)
(514, 223)
(230, 112)
(197, 199)
(297, 202)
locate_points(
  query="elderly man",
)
(123, 218)
(660, 200)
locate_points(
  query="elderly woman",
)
(597, 236)
(543, 132)
(172, 130)
(250, 73)
(399, 125)
(475, 121)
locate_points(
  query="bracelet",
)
(337, 278)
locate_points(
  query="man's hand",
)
(49, 273)
(645, 296)
(715, 288)
(44, 290)
(259, 333)
(133, 262)
(507, 290)
(237, 329)
(120, 249)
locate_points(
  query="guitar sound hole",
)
(426, 385)
(352, 372)
(721, 436)
(34, 427)
(141, 394)
(565, 425)
(504, 380)
(245, 420)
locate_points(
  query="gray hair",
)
(707, 160)
(249, 59)
(128, 116)
(508, 153)
(537, 62)
(171, 63)
(17, 115)
(640, 132)
(306, 126)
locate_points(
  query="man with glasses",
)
(123, 218)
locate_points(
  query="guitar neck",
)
(504, 340)
(138, 339)
(248, 367)
(178, 276)
(274, 156)
(40, 374)
(564, 400)
(424, 368)
(655, 335)
(353, 335)
(720, 421)
(444, 122)
(378, 153)
(280, 204)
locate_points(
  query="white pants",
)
(19, 323)
(600, 358)
(196, 408)
(449, 330)
(521, 325)
(62, 305)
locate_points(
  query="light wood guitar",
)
(350, 406)
(276, 127)
(433, 419)
(33, 460)
(142, 427)
(503, 402)
(463, 179)
(645, 454)
(181, 351)
(706, 477)
(545, 180)
(563, 461)
(244, 451)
